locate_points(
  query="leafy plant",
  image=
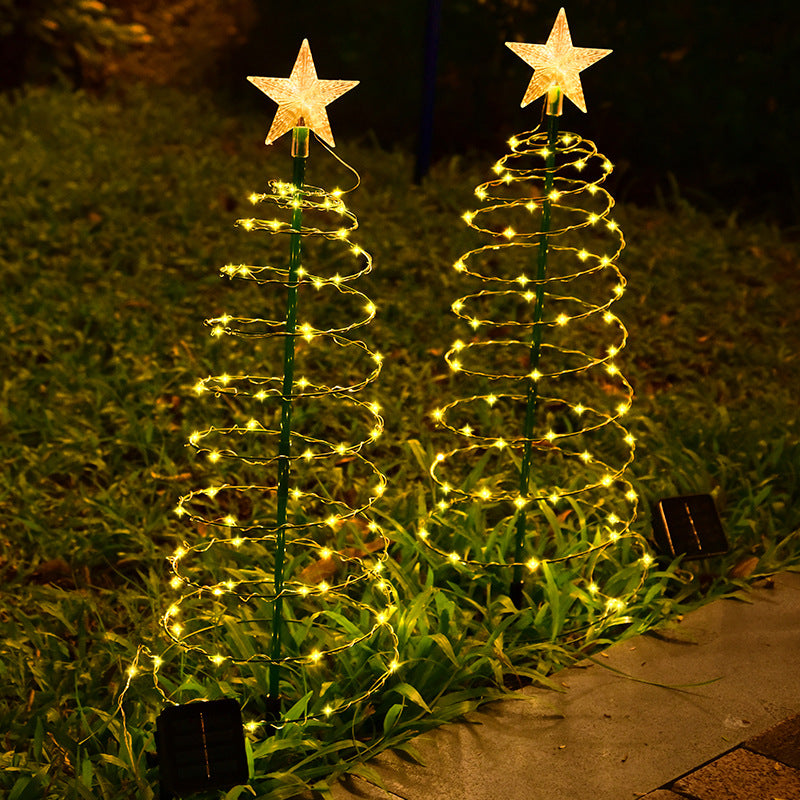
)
(116, 218)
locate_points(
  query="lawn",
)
(117, 216)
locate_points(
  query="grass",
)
(117, 215)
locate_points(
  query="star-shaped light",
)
(557, 63)
(302, 98)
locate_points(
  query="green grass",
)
(116, 218)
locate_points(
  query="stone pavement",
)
(729, 729)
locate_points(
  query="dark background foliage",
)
(700, 93)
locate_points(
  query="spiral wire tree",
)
(285, 581)
(538, 483)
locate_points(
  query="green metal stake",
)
(300, 140)
(554, 100)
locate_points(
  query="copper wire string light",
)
(538, 478)
(284, 573)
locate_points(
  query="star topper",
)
(302, 98)
(557, 63)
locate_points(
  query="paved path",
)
(610, 738)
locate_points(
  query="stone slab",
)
(354, 788)
(663, 794)
(781, 742)
(742, 775)
(610, 737)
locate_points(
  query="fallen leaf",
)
(744, 567)
(321, 570)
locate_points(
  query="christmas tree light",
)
(544, 449)
(286, 569)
